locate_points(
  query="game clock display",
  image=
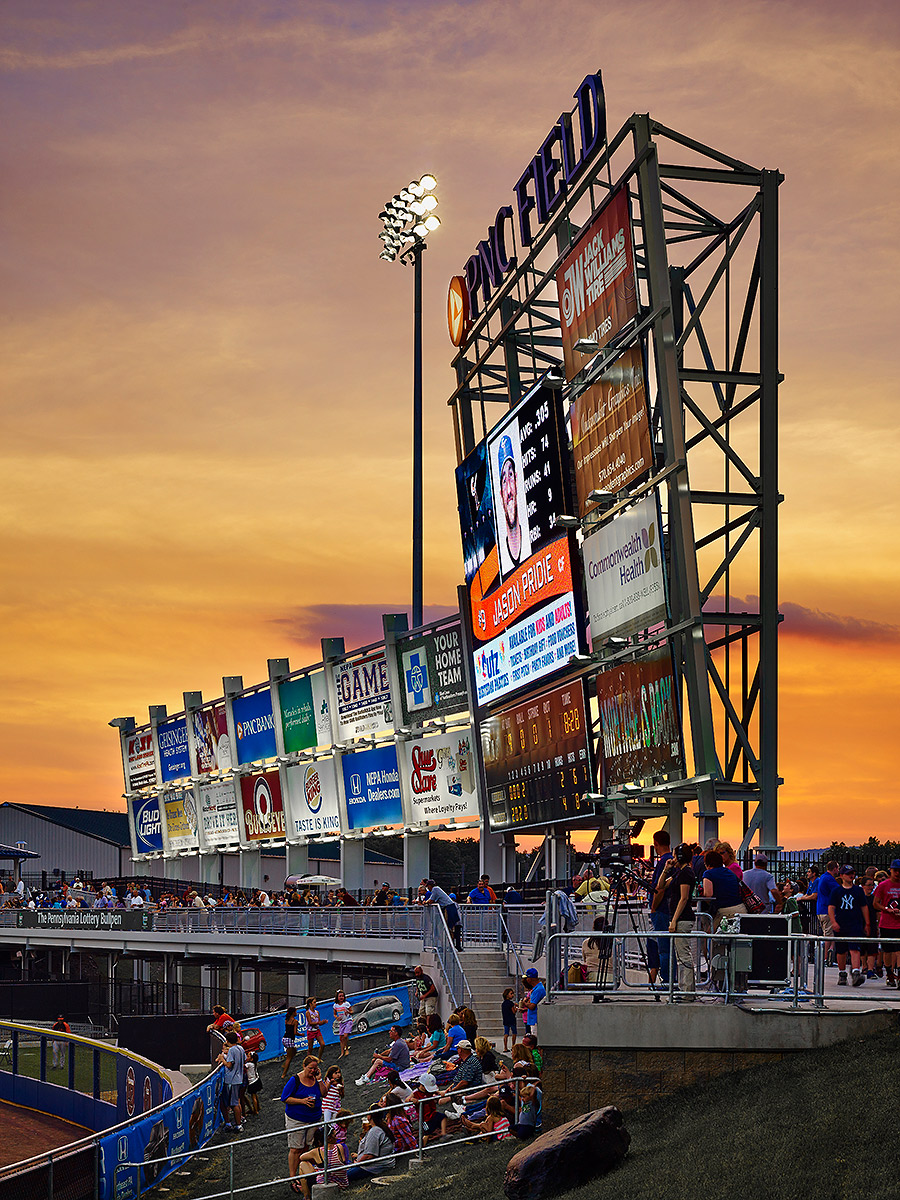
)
(537, 760)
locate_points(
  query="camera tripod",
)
(619, 876)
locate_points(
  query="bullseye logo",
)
(262, 800)
(458, 309)
(263, 811)
(312, 788)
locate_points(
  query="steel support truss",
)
(706, 242)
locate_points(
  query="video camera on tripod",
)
(619, 856)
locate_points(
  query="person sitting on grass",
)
(375, 1143)
(396, 1056)
(398, 1092)
(417, 1042)
(529, 1122)
(436, 1040)
(423, 1097)
(495, 1121)
(455, 1035)
(530, 1042)
(399, 1127)
(468, 1074)
(311, 1164)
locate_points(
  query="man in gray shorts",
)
(233, 1058)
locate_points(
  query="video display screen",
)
(537, 760)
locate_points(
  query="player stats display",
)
(518, 566)
(537, 760)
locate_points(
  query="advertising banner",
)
(518, 566)
(439, 775)
(539, 643)
(623, 571)
(218, 813)
(372, 788)
(537, 760)
(172, 741)
(369, 1011)
(432, 681)
(305, 720)
(254, 726)
(185, 1124)
(262, 807)
(313, 799)
(147, 825)
(84, 918)
(140, 765)
(139, 1087)
(596, 282)
(611, 430)
(211, 740)
(363, 696)
(639, 719)
(181, 821)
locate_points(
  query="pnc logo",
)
(458, 309)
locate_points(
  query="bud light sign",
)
(147, 825)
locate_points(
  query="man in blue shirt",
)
(437, 895)
(826, 885)
(479, 895)
(659, 952)
(533, 998)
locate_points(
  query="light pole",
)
(408, 218)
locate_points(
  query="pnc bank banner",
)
(254, 726)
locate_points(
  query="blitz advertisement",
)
(518, 566)
(639, 720)
(623, 571)
(596, 283)
(363, 696)
(537, 760)
(439, 778)
(313, 799)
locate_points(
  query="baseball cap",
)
(895, 865)
(464, 1045)
(428, 1082)
(505, 453)
(760, 860)
(847, 869)
(531, 973)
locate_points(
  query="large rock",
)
(570, 1155)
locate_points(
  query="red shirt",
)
(888, 894)
(224, 1019)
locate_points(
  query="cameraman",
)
(674, 894)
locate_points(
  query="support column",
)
(353, 863)
(172, 868)
(416, 859)
(210, 868)
(490, 854)
(251, 868)
(297, 861)
(510, 871)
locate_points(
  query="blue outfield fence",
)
(180, 1126)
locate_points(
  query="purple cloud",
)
(357, 624)
(800, 621)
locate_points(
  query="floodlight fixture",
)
(562, 521)
(428, 182)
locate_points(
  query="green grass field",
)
(820, 1124)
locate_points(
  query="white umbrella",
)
(312, 881)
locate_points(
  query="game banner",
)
(262, 807)
(363, 691)
(596, 282)
(440, 778)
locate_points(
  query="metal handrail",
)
(451, 967)
(510, 945)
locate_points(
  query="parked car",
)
(377, 1010)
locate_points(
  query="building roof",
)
(17, 852)
(105, 826)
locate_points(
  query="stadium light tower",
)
(408, 218)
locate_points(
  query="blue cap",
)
(895, 865)
(505, 454)
(531, 973)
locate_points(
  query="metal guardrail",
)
(440, 941)
(418, 1153)
(725, 977)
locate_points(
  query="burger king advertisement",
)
(262, 809)
(312, 791)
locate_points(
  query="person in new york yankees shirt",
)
(849, 916)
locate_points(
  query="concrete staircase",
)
(488, 978)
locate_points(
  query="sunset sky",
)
(206, 379)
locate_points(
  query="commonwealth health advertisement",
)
(623, 571)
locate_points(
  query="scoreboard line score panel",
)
(537, 760)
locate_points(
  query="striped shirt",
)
(404, 1138)
(333, 1096)
(501, 1129)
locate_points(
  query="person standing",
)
(313, 1025)
(760, 880)
(848, 915)
(480, 894)
(529, 1004)
(659, 951)
(677, 884)
(886, 902)
(508, 1016)
(342, 1011)
(826, 884)
(448, 907)
(302, 1099)
(233, 1058)
(426, 992)
(289, 1041)
(57, 1045)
